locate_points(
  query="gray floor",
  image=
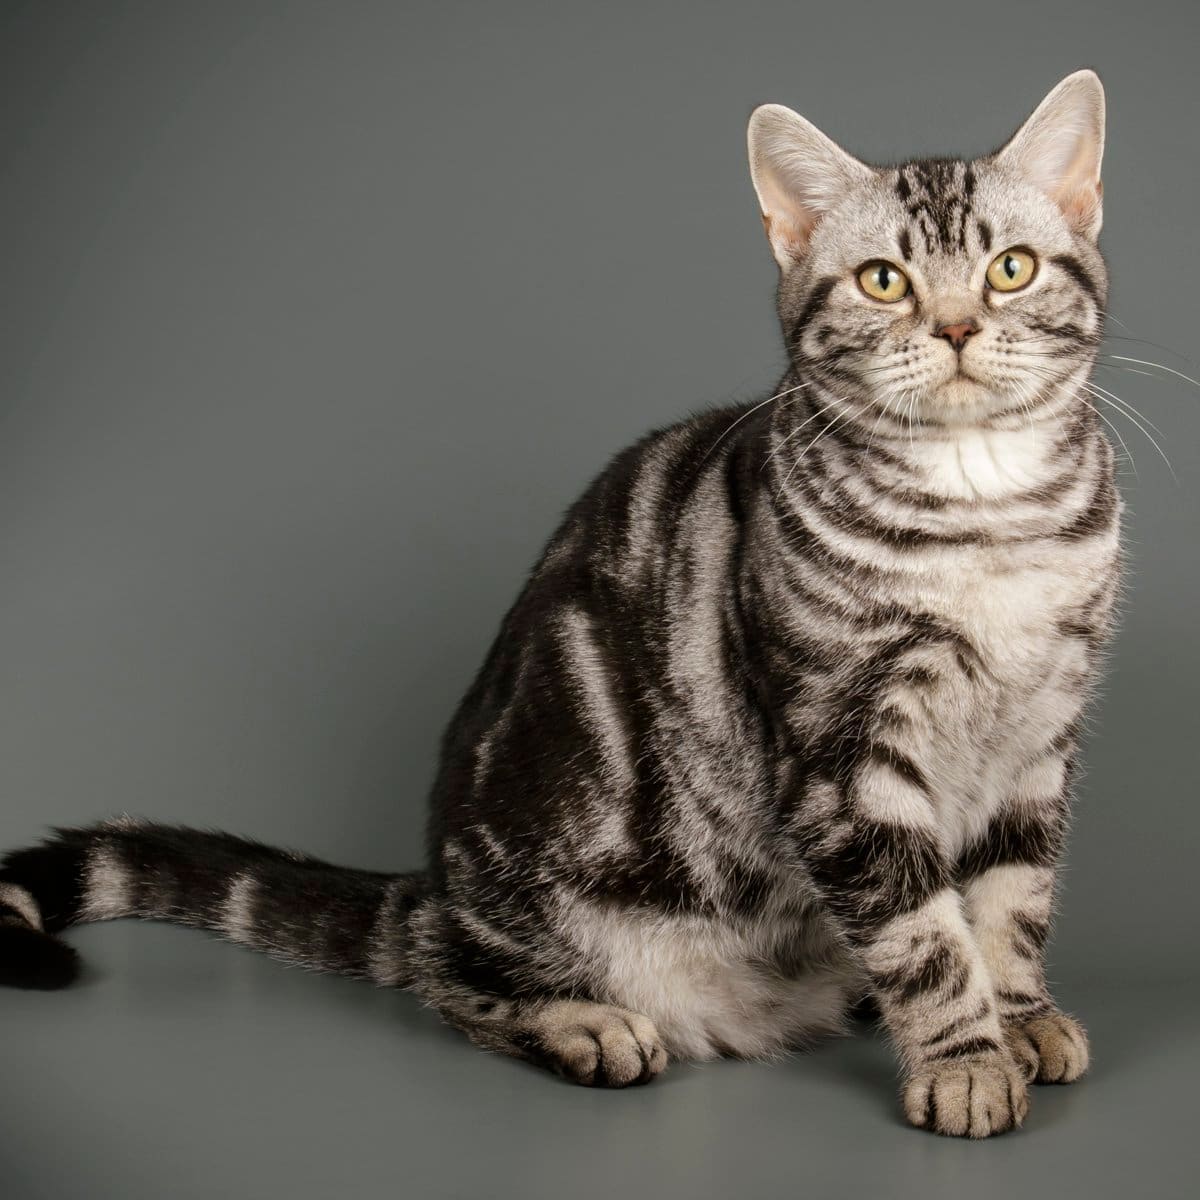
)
(185, 1068)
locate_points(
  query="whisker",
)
(799, 458)
(750, 413)
(1160, 366)
(1117, 433)
(807, 421)
(1113, 395)
(1128, 337)
(1149, 436)
(1131, 370)
(1087, 386)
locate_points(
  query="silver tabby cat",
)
(785, 717)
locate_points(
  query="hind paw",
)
(597, 1045)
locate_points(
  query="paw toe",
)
(971, 1098)
(599, 1045)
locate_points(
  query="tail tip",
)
(30, 958)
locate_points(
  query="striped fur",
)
(787, 712)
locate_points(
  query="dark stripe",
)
(938, 200)
(877, 872)
(1073, 267)
(932, 973)
(1019, 998)
(1029, 936)
(846, 514)
(957, 985)
(814, 304)
(957, 1025)
(1096, 516)
(1010, 838)
(1067, 331)
(52, 873)
(1023, 1006)
(463, 961)
(969, 1046)
(888, 756)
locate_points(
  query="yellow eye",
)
(883, 281)
(1011, 270)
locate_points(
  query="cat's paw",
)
(598, 1045)
(1052, 1049)
(967, 1097)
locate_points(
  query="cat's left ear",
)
(1060, 147)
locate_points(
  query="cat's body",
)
(786, 714)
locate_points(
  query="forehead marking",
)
(937, 196)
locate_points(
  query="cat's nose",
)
(957, 333)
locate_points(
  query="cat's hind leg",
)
(511, 989)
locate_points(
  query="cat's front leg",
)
(1007, 877)
(935, 993)
(873, 850)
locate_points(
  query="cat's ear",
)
(799, 175)
(1060, 148)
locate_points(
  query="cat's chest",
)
(1025, 613)
(1012, 602)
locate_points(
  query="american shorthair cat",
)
(786, 714)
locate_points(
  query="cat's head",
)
(944, 290)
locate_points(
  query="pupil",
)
(885, 278)
(1010, 267)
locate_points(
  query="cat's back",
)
(604, 610)
(625, 524)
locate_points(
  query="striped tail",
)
(288, 905)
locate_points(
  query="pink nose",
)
(957, 333)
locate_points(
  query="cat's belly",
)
(714, 987)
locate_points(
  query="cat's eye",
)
(1011, 270)
(883, 281)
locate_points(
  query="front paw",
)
(1051, 1049)
(967, 1097)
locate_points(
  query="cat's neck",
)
(821, 430)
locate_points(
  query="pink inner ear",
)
(788, 233)
(1080, 204)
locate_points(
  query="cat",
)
(784, 719)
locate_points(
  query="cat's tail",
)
(287, 905)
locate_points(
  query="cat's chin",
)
(961, 400)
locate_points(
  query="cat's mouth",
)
(961, 378)
(962, 396)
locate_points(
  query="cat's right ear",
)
(799, 175)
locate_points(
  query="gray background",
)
(314, 319)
